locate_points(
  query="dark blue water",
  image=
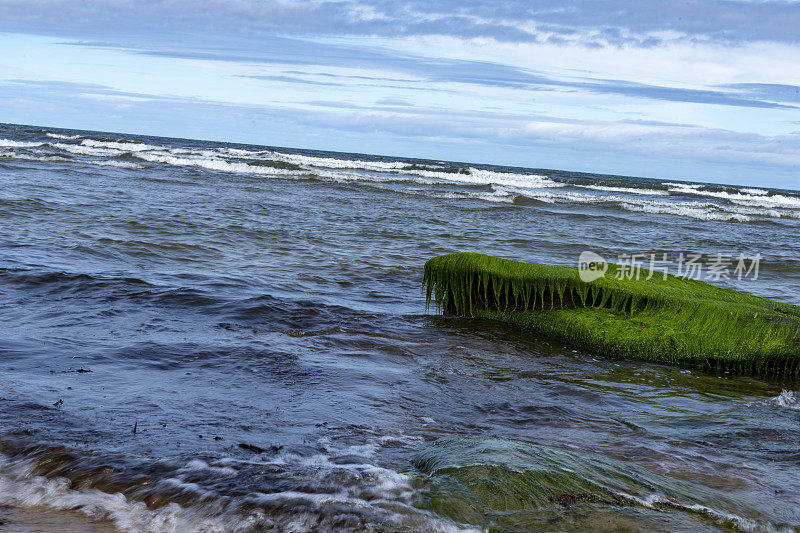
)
(209, 296)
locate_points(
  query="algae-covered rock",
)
(674, 320)
(506, 485)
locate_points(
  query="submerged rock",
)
(507, 485)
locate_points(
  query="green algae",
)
(662, 319)
(508, 485)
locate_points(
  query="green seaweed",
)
(663, 319)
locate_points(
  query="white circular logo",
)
(591, 266)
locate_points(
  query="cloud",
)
(295, 51)
(676, 94)
(294, 79)
(393, 102)
(587, 22)
(770, 91)
(87, 90)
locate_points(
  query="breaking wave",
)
(62, 136)
(119, 164)
(436, 179)
(747, 197)
(695, 210)
(8, 143)
(786, 399)
(754, 191)
(336, 488)
(627, 190)
(122, 146)
(210, 164)
(80, 149)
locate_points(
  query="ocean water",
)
(202, 336)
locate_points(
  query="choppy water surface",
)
(210, 295)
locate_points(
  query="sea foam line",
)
(757, 199)
(61, 136)
(629, 190)
(8, 143)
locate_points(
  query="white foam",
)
(522, 181)
(238, 152)
(360, 170)
(740, 212)
(194, 152)
(123, 146)
(64, 137)
(742, 523)
(472, 175)
(682, 185)
(776, 200)
(629, 190)
(497, 196)
(336, 170)
(754, 191)
(697, 211)
(377, 495)
(19, 487)
(198, 465)
(79, 149)
(759, 211)
(331, 162)
(211, 164)
(26, 157)
(19, 144)
(52, 158)
(786, 399)
(112, 163)
(349, 176)
(405, 440)
(371, 489)
(745, 205)
(758, 199)
(556, 197)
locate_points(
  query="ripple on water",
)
(505, 485)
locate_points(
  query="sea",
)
(207, 336)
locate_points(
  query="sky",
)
(700, 90)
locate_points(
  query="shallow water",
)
(210, 295)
